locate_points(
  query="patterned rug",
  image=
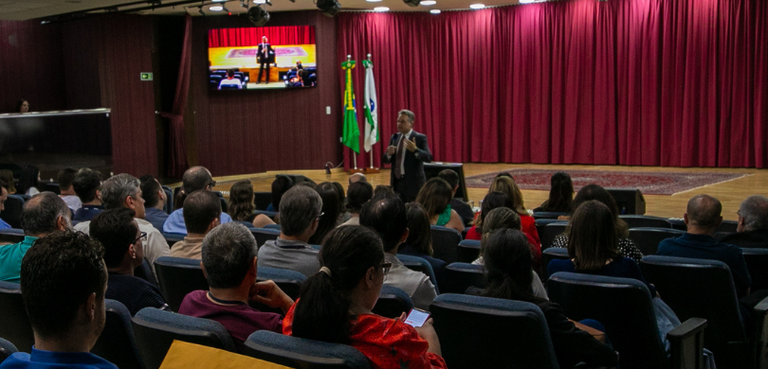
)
(291, 51)
(649, 183)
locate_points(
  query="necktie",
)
(399, 157)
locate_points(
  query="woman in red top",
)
(336, 303)
(495, 200)
(509, 187)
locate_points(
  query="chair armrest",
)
(687, 344)
(760, 337)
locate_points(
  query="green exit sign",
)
(146, 76)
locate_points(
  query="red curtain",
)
(630, 82)
(177, 145)
(285, 35)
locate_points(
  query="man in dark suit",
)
(407, 152)
(264, 56)
(752, 231)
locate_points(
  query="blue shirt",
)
(620, 267)
(4, 225)
(10, 259)
(706, 247)
(40, 359)
(87, 212)
(175, 222)
(155, 216)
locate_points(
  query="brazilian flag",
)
(351, 136)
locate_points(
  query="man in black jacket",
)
(407, 152)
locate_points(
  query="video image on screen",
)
(256, 58)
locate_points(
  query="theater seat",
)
(263, 235)
(547, 215)
(11, 235)
(172, 238)
(290, 281)
(757, 264)
(12, 212)
(303, 353)
(460, 276)
(6, 349)
(116, 343)
(392, 302)
(15, 325)
(419, 264)
(645, 221)
(178, 277)
(549, 231)
(262, 199)
(444, 242)
(483, 332)
(550, 254)
(468, 251)
(647, 239)
(168, 208)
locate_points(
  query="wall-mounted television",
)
(260, 58)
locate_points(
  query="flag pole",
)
(371, 153)
(354, 157)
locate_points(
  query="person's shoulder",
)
(83, 226)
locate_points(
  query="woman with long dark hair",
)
(241, 206)
(435, 197)
(335, 305)
(419, 241)
(331, 210)
(560, 194)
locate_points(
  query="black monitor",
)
(433, 169)
(629, 201)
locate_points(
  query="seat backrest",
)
(12, 212)
(483, 332)
(116, 343)
(444, 242)
(168, 208)
(647, 221)
(727, 226)
(262, 200)
(460, 276)
(392, 302)
(622, 305)
(52, 187)
(290, 281)
(178, 277)
(15, 325)
(6, 349)
(548, 233)
(547, 215)
(701, 288)
(172, 238)
(303, 353)
(468, 251)
(757, 264)
(552, 253)
(263, 235)
(156, 329)
(647, 238)
(419, 264)
(144, 271)
(11, 235)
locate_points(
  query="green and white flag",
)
(351, 136)
(371, 108)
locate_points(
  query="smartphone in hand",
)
(417, 317)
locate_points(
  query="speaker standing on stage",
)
(407, 152)
(264, 56)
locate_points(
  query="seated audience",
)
(329, 216)
(382, 189)
(336, 306)
(67, 193)
(358, 194)
(560, 195)
(492, 201)
(22, 106)
(7, 176)
(119, 234)
(435, 197)
(702, 216)
(241, 206)
(357, 177)
(504, 183)
(194, 179)
(386, 215)
(589, 192)
(3, 197)
(752, 229)
(508, 276)
(460, 206)
(202, 213)
(154, 201)
(63, 279)
(344, 215)
(124, 191)
(419, 241)
(87, 186)
(41, 216)
(301, 209)
(280, 186)
(29, 179)
(229, 265)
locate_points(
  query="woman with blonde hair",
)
(507, 185)
(435, 197)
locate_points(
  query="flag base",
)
(371, 170)
(356, 170)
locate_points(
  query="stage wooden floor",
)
(730, 193)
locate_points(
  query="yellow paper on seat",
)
(184, 355)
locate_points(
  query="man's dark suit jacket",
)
(413, 164)
(748, 239)
(268, 57)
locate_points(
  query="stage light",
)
(328, 7)
(477, 6)
(435, 11)
(373, 1)
(381, 9)
(259, 1)
(219, 1)
(258, 16)
(216, 8)
(526, 1)
(428, 2)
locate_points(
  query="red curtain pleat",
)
(251, 36)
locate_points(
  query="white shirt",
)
(402, 159)
(416, 284)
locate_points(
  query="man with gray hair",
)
(300, 212)
(124, 190)
(752, 230)
(702, 217)
(229, 265)
(42, 215)
(407, 152)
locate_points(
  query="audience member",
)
(329, 217)
(229, 265)
(505, 183)
(29, 179)
(435, 197)
(301, 210)
(387, 216)
(382, 189)
(63, 279)
(22, 106)
(461, 207)
(560, 194)
(419, 241)
(502, 218)
(280, 186)
(702, 216)
(119, 233)
(67, 193)
(194, 179)
(3, 197)
(590, 192)
(492, 201)
(7, 176)
(358, 194)
(155, 199)
(87, 186)
(41, 216)
(508, 276)
(124, 191)
(336, 306)
(357, 177)
(241, 206)
(202, 213)
(752, 229)
(344, 215)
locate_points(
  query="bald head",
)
(43, 214)
(196, 178)
(753, 214)
(357, 177)
(704, 212)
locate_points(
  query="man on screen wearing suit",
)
(264, 56)
(407, 152)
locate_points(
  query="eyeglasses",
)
(212, 184)
(385, 267)
(142, 238)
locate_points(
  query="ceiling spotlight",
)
(428, 2)
(381, 9)
(526, 1)
(435, 11)
(258, 16)
(328, 7)
(219, 1)
(477, 6)
(373, 1)
(259, 1)
(216, 8)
